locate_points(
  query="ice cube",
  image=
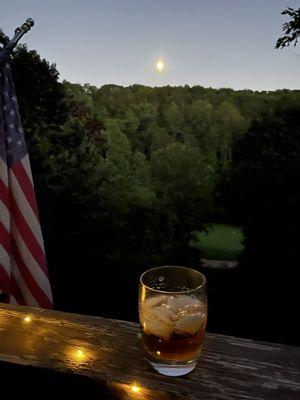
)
(181, 302)
(176, 303)
(155, 301)
(165, 314)
(188, 324)
(157, 328)
(157, 321)
(196, 307)
(161, 315)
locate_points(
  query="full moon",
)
(160, 65)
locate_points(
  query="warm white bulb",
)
(79, 355)
(135, 389)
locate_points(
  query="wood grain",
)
(110, 353)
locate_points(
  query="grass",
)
(219, 242)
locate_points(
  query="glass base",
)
(173, 368)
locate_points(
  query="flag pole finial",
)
(19, 32)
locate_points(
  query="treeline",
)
(124, 174)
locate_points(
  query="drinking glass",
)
(173, 315)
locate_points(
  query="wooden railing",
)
(90, 357)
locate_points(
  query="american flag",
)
(23, 268)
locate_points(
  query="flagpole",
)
(14, 157)
(19, 32)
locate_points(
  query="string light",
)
(135, 388)
(79, 355)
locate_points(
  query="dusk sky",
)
(217, 43)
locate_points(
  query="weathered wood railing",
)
(108, 353)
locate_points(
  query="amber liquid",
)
(179, 347)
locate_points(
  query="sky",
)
(212, 43)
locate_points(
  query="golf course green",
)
(219, 241)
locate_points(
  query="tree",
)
(291, 29)
(200, 122)
(127, 183)
(230, 125)
(43, 110)
(174, 119)
(40, 94)
(183, 184)
(147, 115)
(160, 138)
(265, 200)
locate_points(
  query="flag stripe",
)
(28, 237)
(26, 209)
(4, 277)
(4, 215)
(37, 292)
(12, 300)
(26, 165)
(23, 286)
(4, 193)
(5, 261)
(4, 237)
(17, 292)
(4, 280)
(3, 172)
(31, 265)
(36, 271)
(26, 185)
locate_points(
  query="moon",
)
(160, 65)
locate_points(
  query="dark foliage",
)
(291, 29)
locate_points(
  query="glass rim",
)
(173, 292)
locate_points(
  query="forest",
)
(124, 175)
